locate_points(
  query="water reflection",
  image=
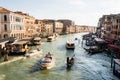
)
(69, 53)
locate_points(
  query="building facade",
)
(38, 26)
(11, 24)
(58, 27)
(29, 24)
(66, 24)
(47, 28)
(110, 26)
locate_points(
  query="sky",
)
(82, 12)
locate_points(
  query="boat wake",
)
(35, 67)
(10, 61)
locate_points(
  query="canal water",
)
(85, 67)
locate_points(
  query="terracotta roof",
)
(3, 10)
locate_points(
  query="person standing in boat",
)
(48, 55)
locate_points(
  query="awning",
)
(109, 40)
(114, 47)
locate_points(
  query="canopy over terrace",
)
(109, 40)
(115, 52)
(114, 47)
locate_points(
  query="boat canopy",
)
(114, 47)
(37, 38)
(70, 41)
(26, 39)
(20, 42)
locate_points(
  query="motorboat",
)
(70, 44)
(33, 53)
(37, 41)
(50, 38)
(47, 62)
(19, 48)
(93, 50)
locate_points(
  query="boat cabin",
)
(37, 41)
(19, 48)
(70, 44)
(50, 38)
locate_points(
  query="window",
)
(18, 19)
(5, 36)
(5, 27)
(5, 17)
(11, 18)
(20, 27)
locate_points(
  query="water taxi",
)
(19, 48)
(47, 62)
(37, 41)
(70, 44)
(33, 53)
(50, 38)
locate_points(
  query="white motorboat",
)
(50, 38)
(70, 44)
(33, 53)
(37, 41)
(47, 62)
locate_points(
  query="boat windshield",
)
(46, 61)
(49, 38)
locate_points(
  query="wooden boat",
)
(70, 44)
(70, 61)
(47, 62)
(93, 50)
(33, 53)
(19, 48)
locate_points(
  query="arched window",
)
(5, 27)
(5, 36)
(12, 35)
(5, 17)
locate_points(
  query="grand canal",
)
(86, 67)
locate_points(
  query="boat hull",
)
(17, 53)
(47, 64)
(70, 47)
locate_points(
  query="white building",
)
(11, 24)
